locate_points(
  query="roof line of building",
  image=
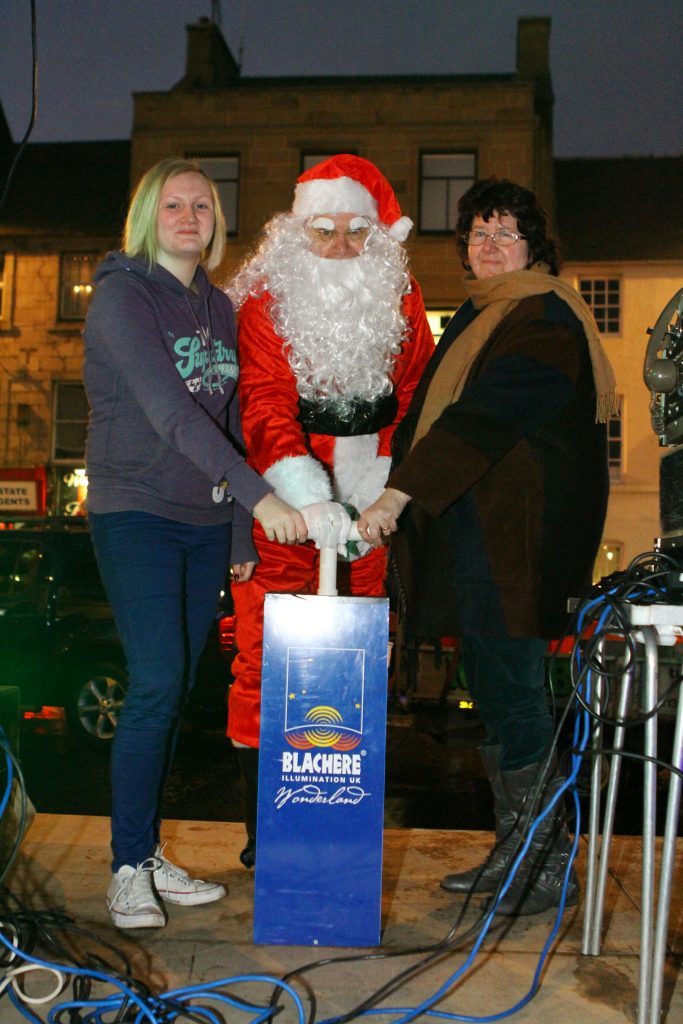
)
(507, 79)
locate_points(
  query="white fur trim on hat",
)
(401, 228)
(333, 195)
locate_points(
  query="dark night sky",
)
(615, 64)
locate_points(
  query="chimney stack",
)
(533, 47)
(209, 60)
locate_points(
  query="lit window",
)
(77, 285)
(615, 443)
(224, 171)
(438, 320)
(6, 274)
(609, 559)
(71, 491)
(444, 177)
(603, 295)
(69, 422)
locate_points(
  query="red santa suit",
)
(309, 456)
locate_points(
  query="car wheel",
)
(95, 702)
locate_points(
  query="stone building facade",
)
(618, 223)
(64, 209)
(431, 135)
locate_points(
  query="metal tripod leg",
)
(594, 945)
(649, 701)
(591, 940)
(653, 930)
(666, 870)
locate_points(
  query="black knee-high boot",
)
(540, 878)
(248, 762)
(485, 877)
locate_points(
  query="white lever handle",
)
(327, 577)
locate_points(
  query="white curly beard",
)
(340, 320)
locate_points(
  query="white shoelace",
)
(136, 884)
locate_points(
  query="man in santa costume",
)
(333, 338)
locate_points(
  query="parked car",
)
(58, 638)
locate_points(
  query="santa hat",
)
(350, 184)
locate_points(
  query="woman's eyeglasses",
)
(478, 237)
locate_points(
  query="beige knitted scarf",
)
(496, 297)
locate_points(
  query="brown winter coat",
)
(509, 485)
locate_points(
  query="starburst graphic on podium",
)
(324, 728)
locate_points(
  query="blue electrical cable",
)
(162, 1005)
(22, 1007)
(161, 1008)
(10, 777)
(156, 1009)
(409, 1014)
(166, 1008)
(210, 987)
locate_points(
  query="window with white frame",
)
(69, 422)
(444, 177)
(76, 284)
(603, 295)
(224, 171)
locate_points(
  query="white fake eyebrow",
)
(358, 222)
(326, 223)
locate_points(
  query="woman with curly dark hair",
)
(501, 467)
(490, 196)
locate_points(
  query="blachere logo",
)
(320, 767)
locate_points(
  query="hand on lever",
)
(280, 521)
(328, 524)
(380, 520)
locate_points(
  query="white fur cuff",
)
(372, 483)
(299, 480)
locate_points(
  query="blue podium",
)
(321, 771)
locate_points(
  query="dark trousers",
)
(506, 677)
(163, 581)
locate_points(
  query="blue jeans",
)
(163, 581)
(506, 677)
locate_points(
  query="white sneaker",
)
(131, 899)
(176, 886)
